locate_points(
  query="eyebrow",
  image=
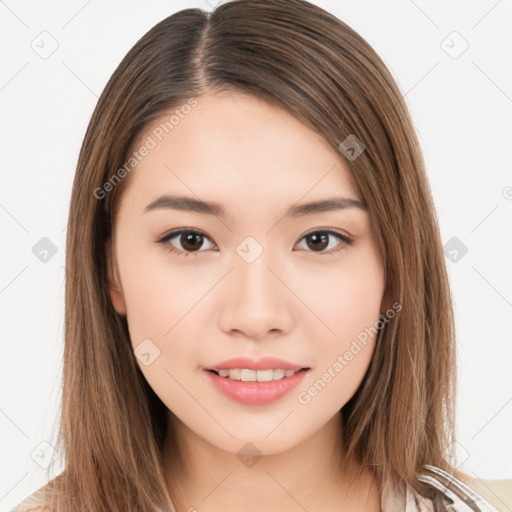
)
(191, 204)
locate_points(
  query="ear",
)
(115, 295)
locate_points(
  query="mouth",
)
(248, 375)
(255, 387)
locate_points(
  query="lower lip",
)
(256, 393)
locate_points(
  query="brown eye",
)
(191, 241)
(185, 242)
(319, 241)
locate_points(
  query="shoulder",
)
(36, 502)
(460, 497)
(496, 492)
(456, 496)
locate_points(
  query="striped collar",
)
(458, 496)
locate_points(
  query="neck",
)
(312, 475)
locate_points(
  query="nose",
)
(257, 301)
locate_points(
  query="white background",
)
(462, 109)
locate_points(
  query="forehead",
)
(233, 146)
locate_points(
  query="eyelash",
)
(165, 240)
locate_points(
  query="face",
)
(252, 278)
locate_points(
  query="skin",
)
(297, 301)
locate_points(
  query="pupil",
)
(189, 239)
(323, 243)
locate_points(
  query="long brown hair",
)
(297, 56)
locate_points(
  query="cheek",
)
(345, 296)
(167, 312)
(162, 291)
(165, 330)
(335, 382)
(347, 300)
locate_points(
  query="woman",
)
(258, 314)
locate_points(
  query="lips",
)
(265, 363)
(255, 382)
(255, 393)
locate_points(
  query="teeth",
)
(256, 375)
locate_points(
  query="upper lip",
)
(265, 363)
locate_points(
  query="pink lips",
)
(264, 363)
(256, 393)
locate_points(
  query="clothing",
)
(459, 497)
